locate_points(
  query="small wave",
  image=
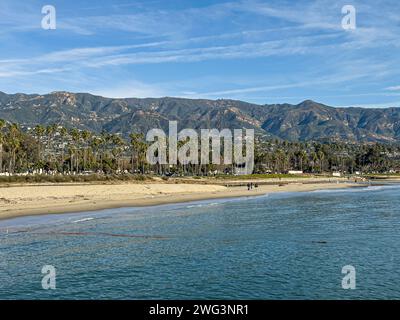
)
(221, 201)
(333, 190)
(369, 188)
(375, 188)
(364, 188)
(82, 220)
(211, 204)
(194, 206)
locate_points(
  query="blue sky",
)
(257, 51)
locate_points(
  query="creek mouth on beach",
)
(277, 246)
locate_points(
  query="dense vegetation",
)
(57, 150)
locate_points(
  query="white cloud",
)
(98, 57)
(393, 88)
(395, 104)
(131, 89)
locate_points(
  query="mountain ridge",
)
(308, 120)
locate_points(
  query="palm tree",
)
(321, 157)
(39, 132)
(63, 133)
(50, 131)
(95, 143)
(136, 142)
(2, 125)
(314, 158)
(75, 134)
(104, 139)
(85, 138)
(302, 158)
(14, 142)
(118, 144)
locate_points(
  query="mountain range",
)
(305, 121)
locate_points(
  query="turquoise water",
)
(281, 246)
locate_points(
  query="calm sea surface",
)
(280, 246)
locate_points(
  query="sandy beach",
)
(24, 200)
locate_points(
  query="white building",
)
(295, 172)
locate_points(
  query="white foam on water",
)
(365, 188)
(82, 220)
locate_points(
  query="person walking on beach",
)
(248, 186)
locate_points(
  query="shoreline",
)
(20, 201)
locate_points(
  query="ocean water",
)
(278, 246)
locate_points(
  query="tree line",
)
(56, 149)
